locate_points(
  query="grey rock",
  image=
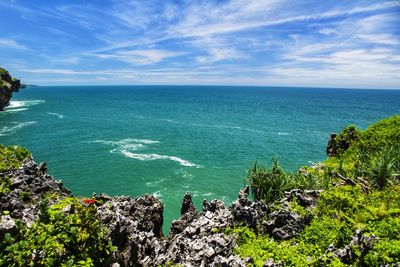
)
(187, 204)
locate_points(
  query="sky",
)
(341, 43)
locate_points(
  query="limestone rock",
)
(8, 85)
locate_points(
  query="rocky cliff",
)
(8, 85)
(134, 225)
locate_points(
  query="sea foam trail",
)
(283, 133)
(16, 109)
(12, 129)
(24, 103)
(129, 146)
(127, 141)
(56, 114)
(21, 105)
(148, 157)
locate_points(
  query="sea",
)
(168, 140)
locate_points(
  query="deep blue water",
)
(166, 140)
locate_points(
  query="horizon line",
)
(218, 85)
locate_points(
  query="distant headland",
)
(8, 85)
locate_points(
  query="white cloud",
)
(9, 43)
(139, 56)
(208, 19)
(218, 54)
(386, 39)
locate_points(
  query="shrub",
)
(71, 235)
(267, 184)
(11, 157)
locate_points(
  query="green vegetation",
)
(361, 198)
(3, 71)
(11, 157)
(68, 233)
(361, 192)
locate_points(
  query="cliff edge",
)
(8, 85)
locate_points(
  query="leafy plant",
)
(267, 184)
(71, 235)
(11, 157)
(362, 192)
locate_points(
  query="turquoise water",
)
(166, 140)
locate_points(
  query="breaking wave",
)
(21, 105)
(7, 130)
(129, 146)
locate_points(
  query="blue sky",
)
(352, 44)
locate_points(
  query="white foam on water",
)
(126, 141)
(24, 103)
(149, 157)
(56, 114)
(157, 194)
(283, 133)
(7, 130)
(16, 109)
(21, 105)
(16, 104)
(129, 146)
(155, 183)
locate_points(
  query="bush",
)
(362, 192)
(69, 234)
(267, 184)
(11, 157)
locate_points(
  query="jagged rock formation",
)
(28, 184)
(339, 143)
(363, 242)
(8, 85)
(134, 225)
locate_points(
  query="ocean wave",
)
(208, 194)
(129, 146)
(184, 174)
(155, 183)
(283, 133)
(157, 194)
(12, 129)
(16, 109)
(21, 105)
(149, 157)
(126, 141)
(24, 103)
(56, 114)
(126, 144)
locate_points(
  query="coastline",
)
(217, 235)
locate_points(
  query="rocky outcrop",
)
(27, 186)
(197, 238)
(134, 227)
(360, 241)
(8, 85)
(339, 143)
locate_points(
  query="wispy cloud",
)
(140, 56)
(208, 19)
(263, 42)
(9, 43)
